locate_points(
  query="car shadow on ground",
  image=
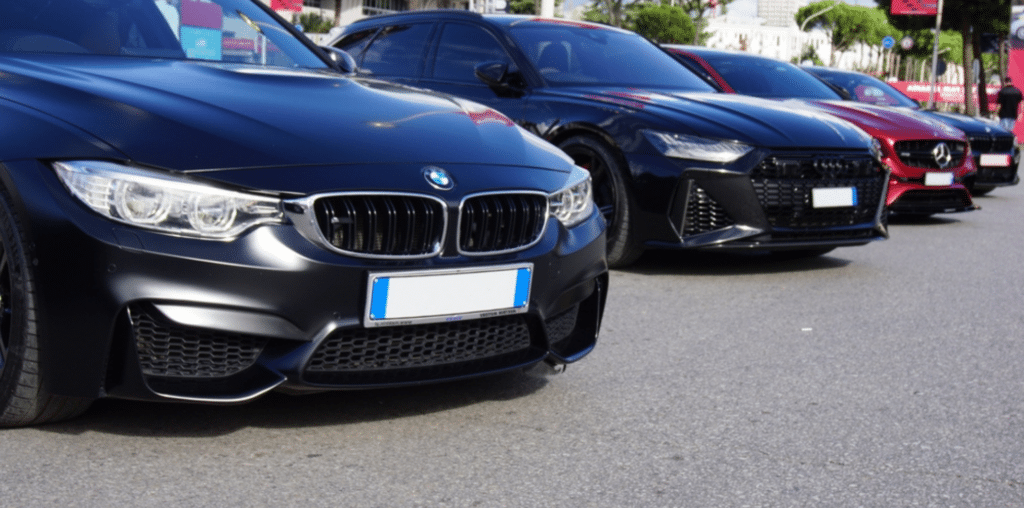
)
(922, 220)
(660, 262)
(274, 410)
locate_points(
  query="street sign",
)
(888, 42)
(907, 43)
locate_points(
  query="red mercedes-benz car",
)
(930, 162)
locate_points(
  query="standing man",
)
(1009, 99)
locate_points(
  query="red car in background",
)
(930, 162)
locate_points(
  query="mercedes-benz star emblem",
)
(438, 178)
(943, 157)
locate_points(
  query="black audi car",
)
(994, 148)
(675, 165)
(197, 204)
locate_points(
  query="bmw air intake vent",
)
(382, 225)
(496, 223)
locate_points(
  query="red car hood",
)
(889, 123)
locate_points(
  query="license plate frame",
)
(399, 298)
(994, 160)
(833, 197)
(938, 179)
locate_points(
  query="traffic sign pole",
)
(935, 56)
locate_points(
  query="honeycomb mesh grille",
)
(168, 350)
(501, 222)
(403, 347)
(703, 213)
(784, 186)
(562, 325)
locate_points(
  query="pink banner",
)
(201, 14)
(286, 5)
(944, 92)
(1016, 72)
(915, 7)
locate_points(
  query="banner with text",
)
(915, 7)
(944, 92)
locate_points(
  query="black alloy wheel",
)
(5, 309)
(610, 195)
(23, 400)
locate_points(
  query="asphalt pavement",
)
(889, 375)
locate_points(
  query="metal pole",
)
(547, 8)
(935, 57)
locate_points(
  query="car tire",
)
(610, 194)
(23, 401)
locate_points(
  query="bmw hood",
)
(184, 115)
(887, 122)
(749, 120)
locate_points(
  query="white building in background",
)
(779, 13)
(354, 10)
(772, 33)
(752, 35)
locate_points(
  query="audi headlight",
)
(876, 149)
(574, 202)
(682, 146)
(163, 202)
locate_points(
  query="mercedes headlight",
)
(682, 146)
(164, 202)
(574, 202)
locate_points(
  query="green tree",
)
(528, 7)
(699, 11)
(522, 7)
(970, 18)
(662, 23)
(845, 24)
(614, 12)
(313, 23)
(609, 12)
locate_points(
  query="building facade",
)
(778, 13)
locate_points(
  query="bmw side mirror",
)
(341, 59)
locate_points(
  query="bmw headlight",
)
(164, 202)
(574, 202)
(682, 146)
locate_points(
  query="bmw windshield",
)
(578, 54)
(236, 31)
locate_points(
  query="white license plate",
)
(938, 179)
(994, 159)
(432, 296)
(834, 197)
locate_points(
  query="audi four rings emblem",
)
(942, 155)
(438, 178)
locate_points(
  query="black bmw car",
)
(994, 148)
(196, 204)
(675, 165)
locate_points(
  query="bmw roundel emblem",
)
(438, 178)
